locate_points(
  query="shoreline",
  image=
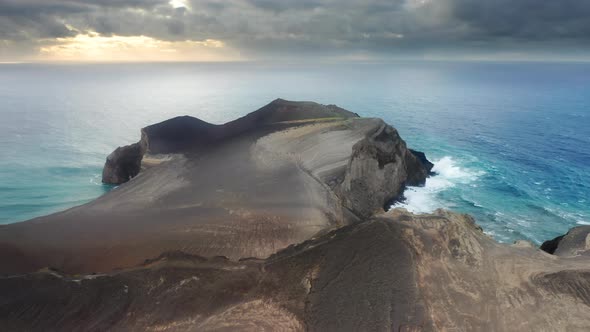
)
(425, 201)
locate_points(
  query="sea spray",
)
(426, 199)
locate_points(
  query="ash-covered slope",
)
(186, 134)
(393, 272)
(278, 176)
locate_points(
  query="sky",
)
(295, 30)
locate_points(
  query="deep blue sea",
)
(510, 141)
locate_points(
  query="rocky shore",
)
(276, 221)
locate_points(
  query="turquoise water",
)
(511, 141)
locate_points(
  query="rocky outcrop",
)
(576, 242)
(124, 163)
(425, 162)
(393, 272)
(378, 170)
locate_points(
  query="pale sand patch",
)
(151, 160)
(257, 315)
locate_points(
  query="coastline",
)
(277, 220)
(468, 115)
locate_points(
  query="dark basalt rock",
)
(550, 246)
(574, 243)
(425, 162)
(124, 163)
(378, 171)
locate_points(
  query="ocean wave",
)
(506, 228)
(471, 202)
(571, 217)
(448, 174)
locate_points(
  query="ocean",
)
(510, 141)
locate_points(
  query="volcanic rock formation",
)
(248, 188)
(275, 222)
(124, 163)
(576, 242)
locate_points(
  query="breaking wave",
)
(448, 175)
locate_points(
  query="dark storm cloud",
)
(34, 19)
(525, 19)
(278, 27)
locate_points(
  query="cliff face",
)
(378, 170)
(124, 163)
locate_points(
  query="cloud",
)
(330, 28)
(94, 47)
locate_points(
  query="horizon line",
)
(304, 62)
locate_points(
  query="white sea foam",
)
(96, 180)
(578, 218)
(448, 174)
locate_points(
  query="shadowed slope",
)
(180, 134)
(186, 133)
